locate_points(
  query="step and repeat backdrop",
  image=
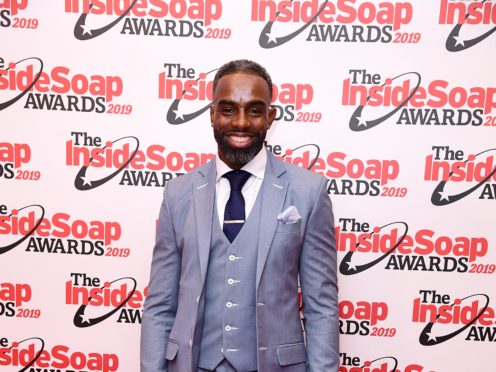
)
(103, 101)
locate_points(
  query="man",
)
(233, 238)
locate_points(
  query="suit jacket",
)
(173, 311)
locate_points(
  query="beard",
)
(239, 156)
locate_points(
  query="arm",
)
(318, 279)
(161, 303)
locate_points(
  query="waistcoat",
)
(229, 328)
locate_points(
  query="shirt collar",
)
(255, 166)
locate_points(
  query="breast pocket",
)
(288, 227)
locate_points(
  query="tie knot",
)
(237, 178)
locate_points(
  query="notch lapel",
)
(274, 191)
(204, 196)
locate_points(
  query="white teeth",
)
(240, 139)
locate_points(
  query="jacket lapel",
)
(273, 191)
(204, 196)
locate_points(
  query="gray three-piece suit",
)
(211, 300)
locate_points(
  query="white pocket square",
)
(289, 215)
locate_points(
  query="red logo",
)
(152, 166)
(9, 18)
(58, 357)
(436, 103)
(460, 175)
(336, 21)
(463, 13)
(175, 18)
(61, 89)
(361, 319)
(441, 312)
(93, 297)
(13, 158)
(423, 250)
(183, 84)
(60, 233)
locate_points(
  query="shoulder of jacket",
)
(303, 176)
(183, 184)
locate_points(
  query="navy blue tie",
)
(234, 214)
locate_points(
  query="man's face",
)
(240, 115)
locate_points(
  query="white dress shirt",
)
(256, 167)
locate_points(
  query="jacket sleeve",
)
(161, 303)
(318, 278)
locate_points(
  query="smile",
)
(240, 139)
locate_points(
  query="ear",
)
(272, 115)
(212, 111)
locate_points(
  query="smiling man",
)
(235, 237)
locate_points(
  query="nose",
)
(242, 120)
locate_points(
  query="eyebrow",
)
(249, 103)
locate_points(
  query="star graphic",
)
(85, 181)
(86, 29)
(351, 266)
(459, 40)
(443, 196)
(86, 318)
(179, 114)
(431, 337)
(361, 121)
(271, 37)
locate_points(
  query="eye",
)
(255, 111)
(226, 110)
